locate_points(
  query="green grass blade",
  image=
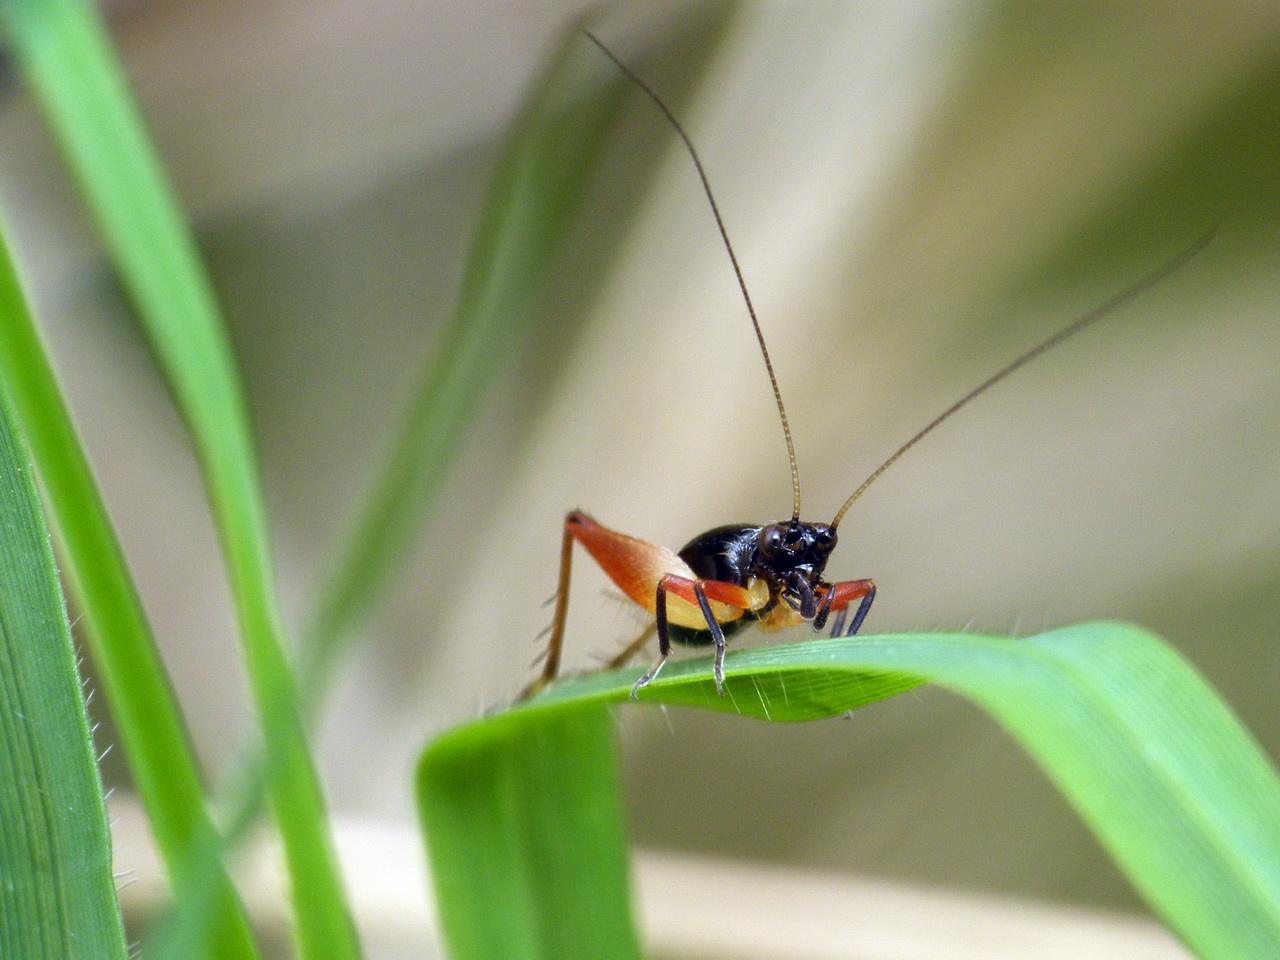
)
(66, 55)
(525, 837)
(547, 168)
(147, 717)
(57, 895)
(1158, 767)
(540, 180)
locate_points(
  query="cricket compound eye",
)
(773, 539)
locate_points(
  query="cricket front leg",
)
(834, 598)
(839, 598)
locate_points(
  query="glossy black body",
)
(788, 556)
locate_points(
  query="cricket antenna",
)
(1097, 313)
(724, 235)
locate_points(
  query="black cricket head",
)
(792, 554)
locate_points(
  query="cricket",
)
(770, 575)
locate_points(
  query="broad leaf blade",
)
(57, 895)
(1159, 768)
(545, 875)
(66, 56)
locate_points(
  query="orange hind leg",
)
(646, 573)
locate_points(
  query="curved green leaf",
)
(1157, 765)
(57, 895)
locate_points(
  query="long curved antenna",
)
(724, 235)
(1097, 313)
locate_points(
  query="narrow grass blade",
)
(147, 717)
(545, 172)
(64, 51)
(57, 895)
(525, 837)
(1156, 764)
(541, 178)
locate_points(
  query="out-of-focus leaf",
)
(525, 836)
(547, 168)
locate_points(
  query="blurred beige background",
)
(918, 192)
